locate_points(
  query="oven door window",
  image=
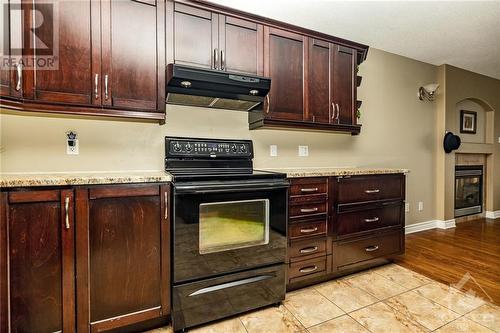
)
(233, 225)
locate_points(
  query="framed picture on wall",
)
(468, 122)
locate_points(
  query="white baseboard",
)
(428, 225)
(493, 214)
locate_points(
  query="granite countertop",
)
(325, 172)
(84, 178)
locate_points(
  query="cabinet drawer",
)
(307, 267)
(306, 229)
(306, 248)
(370, 188)
(305, 186)
(370, 219)
(307, 209)
(361, 249)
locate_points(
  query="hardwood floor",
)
(467, 256)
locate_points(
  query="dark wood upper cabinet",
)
(241, 45)
(38, 235)
(344, 84)
(133, 55)
(192, 36)
(123, 255)
(11, 74)
(284, 61)
(319, 84)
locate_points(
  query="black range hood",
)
(214, 88)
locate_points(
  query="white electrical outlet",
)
(273, 150)
(303, 151)
(420, 206)
(72, 146)
(407, 207)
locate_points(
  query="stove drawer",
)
(211, 299)
(370, 188)
(370, 219)
(307, 229)
(308, 248)
(307, 267)
(307, 186)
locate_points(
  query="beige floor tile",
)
(487, 315)
(342, 324)
(166, 329)
(402, 276)
(376, 285)
(233, 325)
(450, 297)
(273, 319)
(422, 310)
(380, 317)
(310, 307)
(463, 325)
(345, 296)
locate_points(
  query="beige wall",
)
(398, 131)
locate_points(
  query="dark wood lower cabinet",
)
(84, 259)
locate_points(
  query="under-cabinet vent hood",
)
(215, 89)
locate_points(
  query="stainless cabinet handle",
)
(268, 100)
(308, 269)
(333, 113)
(372, 191)
(338, 113)
(371, 248)
(106, 87)
(222, 60)
(96, 86)
(309, 249)
(66, 210)
(216, 59)
(166, 205)
(19, 71)
(375, 219)
(309, 190)
(308, 231)
(309, 210)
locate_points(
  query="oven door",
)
(227, 227)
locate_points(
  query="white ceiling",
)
(464, 34)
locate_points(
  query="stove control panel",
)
(208, 148)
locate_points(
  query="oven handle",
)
(230, 284)
(228, 188)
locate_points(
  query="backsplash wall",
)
(398, 131)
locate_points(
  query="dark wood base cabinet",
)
(85, 259)
(362, 225)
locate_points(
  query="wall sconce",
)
(428, 92)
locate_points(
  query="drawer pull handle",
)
(309, 249)
(375, 219)
(309, 190)
(372, 191)
(308, 269)
(308, 231)
(66, 212)
(371, 248)
(309, 210)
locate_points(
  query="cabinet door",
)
(123, 255)
(11, 75)
(241, 45)
(319, 107)
(68, 30)
(38, 237)
(192, 36)
(344, 84)
(133, 54)
(284, 58)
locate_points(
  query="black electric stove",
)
(229, 230)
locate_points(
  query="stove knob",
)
(189, 147)
(243, 148)
(234, 148)
(177, 147)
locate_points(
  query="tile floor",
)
(385, 299)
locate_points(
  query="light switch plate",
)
(407, 207)
(499, 139)
(420, 206)
(273, 150)
(303, 151)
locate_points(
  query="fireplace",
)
(468, 190)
